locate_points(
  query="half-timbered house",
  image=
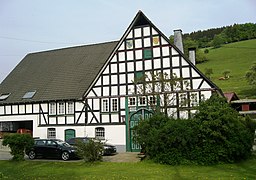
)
(89, 90)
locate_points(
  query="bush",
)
(216, 134)
(90, 151)
(18, 143)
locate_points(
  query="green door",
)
(69, 133)
(134, 119)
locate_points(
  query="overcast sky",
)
(31, 25)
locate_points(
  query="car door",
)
(40, 147)
(52, 149)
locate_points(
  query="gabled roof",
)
(57, 74)
(231, 96)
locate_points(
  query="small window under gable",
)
(29, 94)
(4, 96)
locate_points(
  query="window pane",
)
(105, 105)
(51, 133)
(100, 133)
(70, 107)
(114, 105)
(52, 108)
(61, 108)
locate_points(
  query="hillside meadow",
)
(237, 58)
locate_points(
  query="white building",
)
(89, 90)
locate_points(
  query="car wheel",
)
(32, 155)
(65, 156)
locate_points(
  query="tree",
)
(160, 86)
(18, 144)
(251, 75)
(208, 72)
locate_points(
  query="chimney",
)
(178, 39)
(192, 55)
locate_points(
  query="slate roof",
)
(60, 74)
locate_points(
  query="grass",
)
(108, 170)
(236, 57)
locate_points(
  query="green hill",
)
(237, 58)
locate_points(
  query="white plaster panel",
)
(15, 109)
(166, 62)
(184, 114)
(166, 51)
(70, 120)
(114, 90)
(196, 83)
(96, 104)
(98, 83)
(138, 54)
(122, 78)
(139, 66)
(130, 55)
(61, 120)
(157, 63)
(130, 77)
(44, 107)
(122, 102)
(175, 61)
(121, 56)
(21, 109)
(138, 43)
(154, 32)
(183, 62)
(122, 90)
(194, 73)
(130, 66)
(97, 91)
(147, 42)
(130, 89)
(52, 120)
(122, 67)
(106, 71)
(206, 94)
(113, 68)
(137, 32)
(164, 42)
(174, 52)
(90, 94)
(205, 85)
(79, 106)
(146, 31)
(105, 91)
(185, 72)
(114, 59)
(105, 118)
(122, 46)
(1, 109)
(29, 108)
(114, 79)
(114, 118)
(36, 108)
(105, 80)
(148, 64)
(156, 52)
(130, 35)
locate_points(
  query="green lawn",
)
(108, 170)
(236, 57)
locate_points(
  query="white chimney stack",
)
(192, 55)
(178, 40)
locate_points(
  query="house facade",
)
(90, 90)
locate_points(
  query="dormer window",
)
(29, 95)
(4, 96)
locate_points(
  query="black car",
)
(51, 148)
(108, 148)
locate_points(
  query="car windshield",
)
(62, 143)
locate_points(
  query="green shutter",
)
(147, 53)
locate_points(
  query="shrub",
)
(90, 151)
(18, 143)
(216, 134)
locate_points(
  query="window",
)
(61, 107)
(183, 100)
(29, 95)
(100, 133)
(105, 107)
(70, 107)
(152, 100)
(132, 101)
(114, 105)
(142, 100)
(4, 96)
(193, 99)
(51, 133)
(52, 108)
